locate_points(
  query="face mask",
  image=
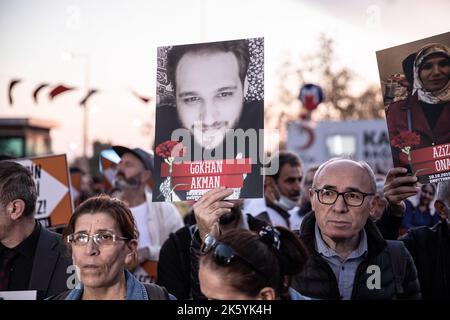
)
(282, 201)
(285, 203)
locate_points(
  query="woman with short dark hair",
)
(102, 236)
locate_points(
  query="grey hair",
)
(443, 192)
(364, 165)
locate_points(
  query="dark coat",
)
(317, 279)
(430, 249)
(49, 274)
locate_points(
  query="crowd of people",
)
(331, 231)
(228, 253)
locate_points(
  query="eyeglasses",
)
(225, 254)
(102, 238)
(351, 198)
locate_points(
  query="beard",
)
(209, 136)
(122, 182)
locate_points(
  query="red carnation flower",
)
(170, 148)
(405, 139)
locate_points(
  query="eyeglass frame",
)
(214, 244)
(94, 237)
(364, 194)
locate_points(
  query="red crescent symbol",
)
(310, 140)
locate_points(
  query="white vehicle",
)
(316, 142)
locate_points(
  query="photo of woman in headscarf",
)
(426, 110)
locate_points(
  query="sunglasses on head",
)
(224, 254)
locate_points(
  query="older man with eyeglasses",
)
(350, 259)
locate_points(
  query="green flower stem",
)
(170, 180)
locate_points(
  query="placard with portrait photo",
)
(415, 81)
(209, 119)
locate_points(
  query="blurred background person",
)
(305, 199)
(97, 186)
(430, 249)
(80, 185)
(155, 220)
(282, 191)
(421, 214)
(379, 202)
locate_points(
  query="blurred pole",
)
(67, 56)
(86, 110)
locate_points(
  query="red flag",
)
(142, 98)
(36, 91)
(88, 95)
(58, 90)
(11, 86)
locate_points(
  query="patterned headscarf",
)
(442, 95)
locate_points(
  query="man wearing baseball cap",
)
(155, 220)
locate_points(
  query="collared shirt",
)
(22, 265)
(273, 214)
(344, 270)
(140, 213)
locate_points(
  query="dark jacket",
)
(178, 261)
(49, 274)
(430, 249)
(317, 279)
(389, 224)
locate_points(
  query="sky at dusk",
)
(119, 40)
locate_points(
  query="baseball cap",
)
(145, 157)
